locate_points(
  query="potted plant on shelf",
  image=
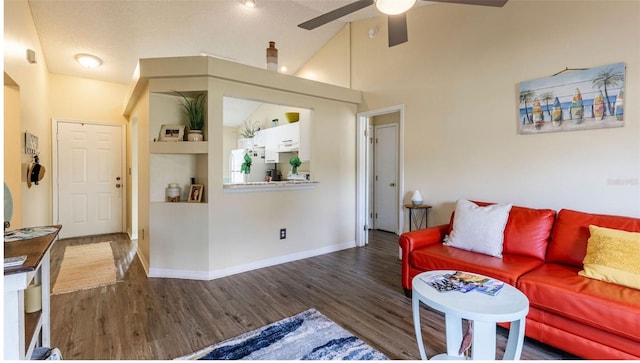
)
(194, 112)
(249, 129)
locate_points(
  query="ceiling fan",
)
(396, 14)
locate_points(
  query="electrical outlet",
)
(283, 233)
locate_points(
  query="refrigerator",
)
(258, 166)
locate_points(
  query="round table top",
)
(510, 304)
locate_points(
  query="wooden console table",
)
(23, 332)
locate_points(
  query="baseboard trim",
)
(216, 274)
(143, 262)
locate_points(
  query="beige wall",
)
(331, 64)
(12, 144)
(458, 78)
(318, 218)
(32, 80)
(44, 96)
(82, 99)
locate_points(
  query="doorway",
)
(89, 179)
(385, 179)
(366, 164)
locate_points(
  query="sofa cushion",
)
(558, 289)
(571, 232)
(479, 229)
(527, 232)
(441, 257)
(613, 256)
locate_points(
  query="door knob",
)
(117, 185)
(117, 178)
(392, 184)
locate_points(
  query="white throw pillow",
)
(479, 229)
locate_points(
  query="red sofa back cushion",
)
(571, 232)
(527, 231)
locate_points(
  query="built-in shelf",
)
(184, 147)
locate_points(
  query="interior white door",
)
(386, 178)
(90, 184)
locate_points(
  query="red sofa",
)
(542, 254)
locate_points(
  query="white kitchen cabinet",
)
(270, 145)
(288, 137)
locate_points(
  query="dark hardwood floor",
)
(142, 318)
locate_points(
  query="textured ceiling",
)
(122, 31)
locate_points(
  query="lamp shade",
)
(416, 198)
(394, 7)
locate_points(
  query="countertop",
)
(272, 185)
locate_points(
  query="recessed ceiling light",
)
(88, 60)
(249, 3)
(283, 69)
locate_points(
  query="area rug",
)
(306, 336)
(85, 267)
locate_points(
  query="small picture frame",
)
(171, 133)
(195, 193)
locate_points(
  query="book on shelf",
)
(464, 282)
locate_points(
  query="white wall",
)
(458, 78)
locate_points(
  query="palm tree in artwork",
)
(527, 96)
(607, 78)
(546, 98)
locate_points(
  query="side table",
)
(24, 332)
(509, 305)
(416, 219)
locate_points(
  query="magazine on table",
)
(464, 282)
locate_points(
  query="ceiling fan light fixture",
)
(394, 7)
(88, 60)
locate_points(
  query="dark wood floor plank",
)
(142, 318)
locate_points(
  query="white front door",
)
(90, 180)
(386, 178)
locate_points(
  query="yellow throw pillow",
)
(613, 256)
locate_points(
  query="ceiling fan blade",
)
(497, 3)
(397, 27)
(335, 14)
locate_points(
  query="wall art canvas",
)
(573, 100)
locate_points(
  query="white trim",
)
(361, 170)
(54, 165)
(143, 262)
(216, 274)
(362, 180)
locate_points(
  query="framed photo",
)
(171, 133)
(195, 193)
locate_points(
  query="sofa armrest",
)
(410, 241)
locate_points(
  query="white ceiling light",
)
(394, 7)
(249, 3)
(88, 60)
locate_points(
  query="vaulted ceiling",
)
(122, 31)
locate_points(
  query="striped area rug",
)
(306, 336)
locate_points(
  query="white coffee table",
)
(509, 305)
